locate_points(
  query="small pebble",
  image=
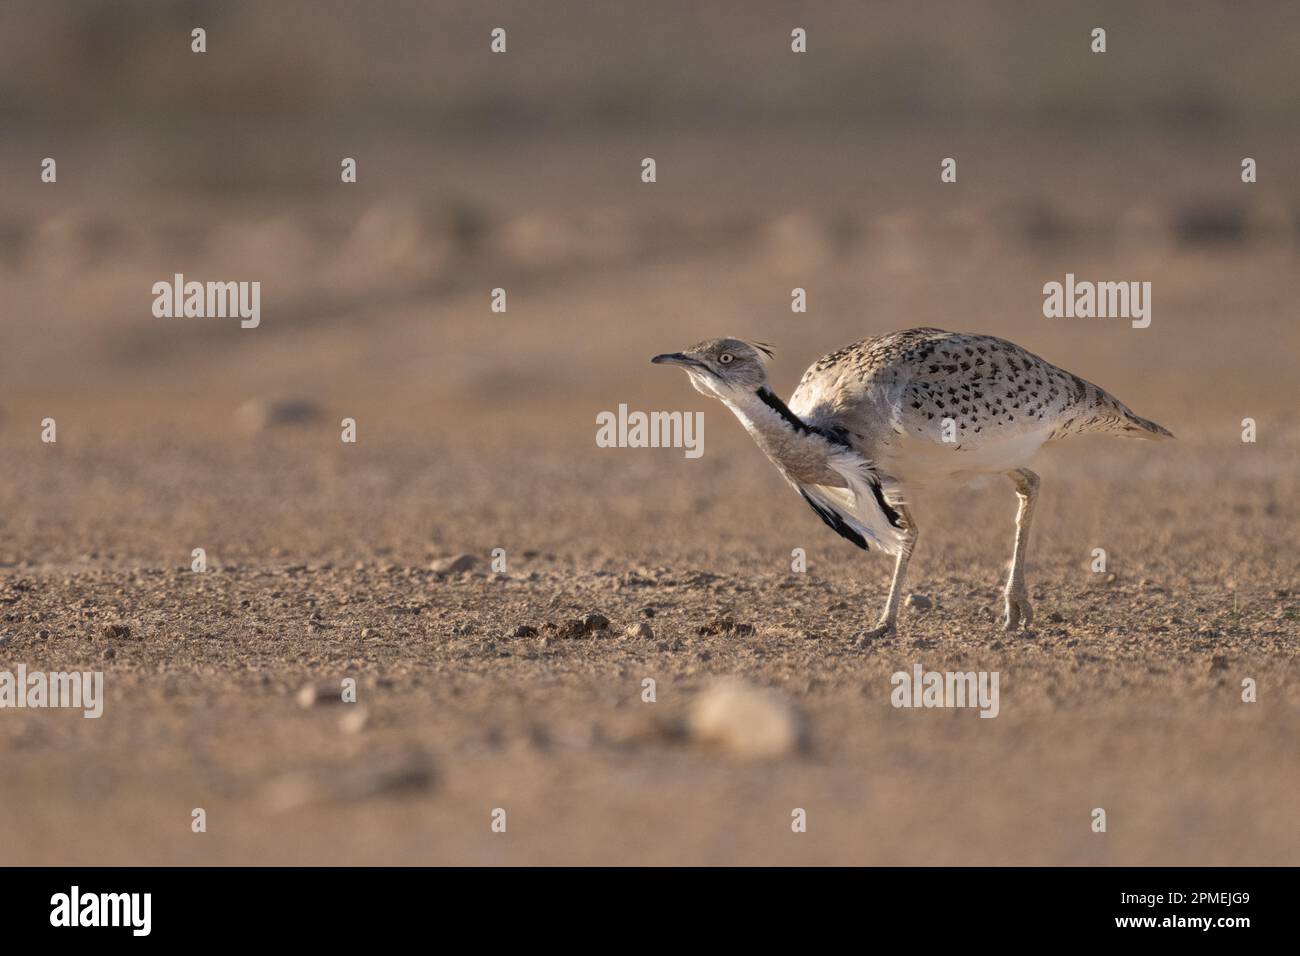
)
(354, 719)
(368, 777)
(745, 720)
(312, 695)
(259, 414)
(454, 564)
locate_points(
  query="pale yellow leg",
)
(1018, 611)
(889, 620)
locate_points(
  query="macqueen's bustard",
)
(886, 415)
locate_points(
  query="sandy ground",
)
(476, 431)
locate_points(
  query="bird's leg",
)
(889, 620)
(1018, 611)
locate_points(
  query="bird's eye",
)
(725, 358)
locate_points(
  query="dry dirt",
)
(476, 431)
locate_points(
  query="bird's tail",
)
(1118, 419)
(1140, 427)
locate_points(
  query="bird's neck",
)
(798, 449)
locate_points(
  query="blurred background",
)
(476, 429)
(522, 171)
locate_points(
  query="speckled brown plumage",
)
(911, 381)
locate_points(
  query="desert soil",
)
(476, 688)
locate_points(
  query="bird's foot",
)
(1018, 614)
(882, 630)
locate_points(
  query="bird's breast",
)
(922, 461)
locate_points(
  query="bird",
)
(875, 421)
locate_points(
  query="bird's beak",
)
(674, 358)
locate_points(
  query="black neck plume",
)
(773, 401)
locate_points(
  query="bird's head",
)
(721, 367)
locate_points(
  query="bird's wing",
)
(861, 511)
